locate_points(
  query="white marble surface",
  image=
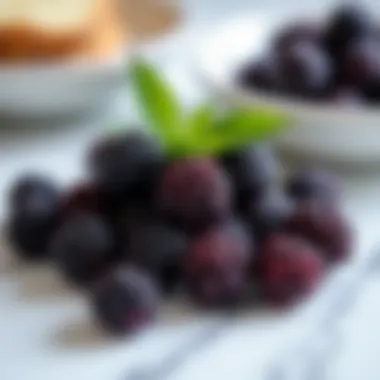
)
(46, 330)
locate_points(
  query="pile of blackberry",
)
(142, 226)
(337, 61)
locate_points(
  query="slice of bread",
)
(109, 34)
(58, 16)
(45, 29)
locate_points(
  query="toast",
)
(46, 29)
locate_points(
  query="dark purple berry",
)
(291, 269)
(306, 70)
(195, 192)
(348, 23)
(346, 96)
(361, 65)
(361, 68)
(136, 217)
(324, 226)
(126, 164)
(262, 75)
(125, 300)
(253, 170)
(306, 31)
(83, 248)
(83, 197)
(270, 214)
(159, 249)
(34, 214)
(313, 184)
(217, 265)
(29, 237)
(34, 194)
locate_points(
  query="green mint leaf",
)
(245, 126)
(217, 135)
(201, 119)
(158, 103)
(197, 124)
(236, 129)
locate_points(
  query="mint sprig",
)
(203, 131)
(158, 102)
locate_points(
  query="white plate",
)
(60, 88)
(347, 135)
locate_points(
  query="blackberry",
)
(323, 225)
(126, 165)
(83, 248)
(313, 184)
(159, 249)
(35, 204)
(217, 265)
(253, 170)
(290, 269)
(195, 192)
(306, 70)
(348, 23)
(270, 214)
(125, 300)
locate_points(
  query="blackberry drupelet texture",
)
(290, 269)
(195, 192)
(216, 266)
(323, 225)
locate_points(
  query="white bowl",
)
(341, 134)
(59, 89)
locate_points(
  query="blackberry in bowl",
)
(286, 62)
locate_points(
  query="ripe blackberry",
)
(194, 192)
(159, 249)
(261, 75)
(323, 225)
(83, 248)
(306, 70)
(360, 67)
(348, 23)
(299, 31)
(290, 268)
(34, 194)
(270, 214)
(126, 164)
(125, 300)
(253, 170)
(346, 96)
(34, 214)
(29, 237)
(83, 197)
(313, 184)
(216, 267)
